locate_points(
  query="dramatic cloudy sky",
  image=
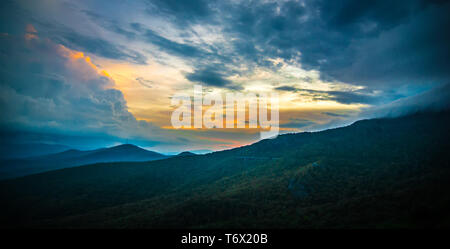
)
(103, 72)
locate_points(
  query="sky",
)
(100, 73)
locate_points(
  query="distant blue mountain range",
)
(11, 168)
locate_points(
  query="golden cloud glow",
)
(148, 89)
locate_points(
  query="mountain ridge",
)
(377, 173)
(74, 157)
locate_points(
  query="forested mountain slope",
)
(391, 172)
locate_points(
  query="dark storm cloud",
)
(211, 77)
(110, 24)
(14, 18)
(99, 47)
(378, 44)
(211, 66)
(199, 56)
(269, 26)
(416, 51)
(9, 10)
(344, 97)
(135, 30)
(182, 12)
(348, 97)
(286, 88)
(362, 42)
(172, 47)
(43, 89)
(335, 114)
(382, 45)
